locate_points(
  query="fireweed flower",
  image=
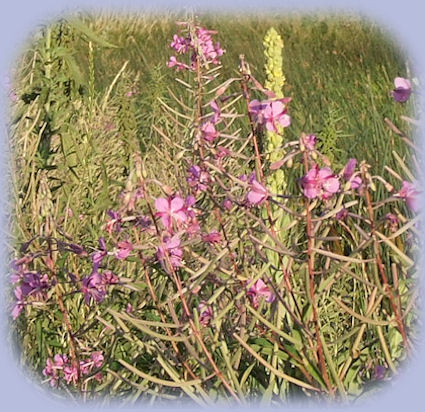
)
(19, 303)
(319, 183)
(309, 141)
(97, 257)
(62, 366)
(259, 290)
(32, 286)
(124, 249)
(205, 313)
(170, 209)
(212, 237)
(180, 44)
(409, 193)
(201, 45)
(170, 252)
(349, 176)
(93, 287)
(270, 113)
(227, 204)
(173, 62)
(198, 179)
(208, 131)
(402, 91)
(257, 193)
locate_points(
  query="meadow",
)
(172, 249)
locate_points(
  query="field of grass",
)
(96, 109)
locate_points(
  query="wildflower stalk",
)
(310, 267)
(379, 263)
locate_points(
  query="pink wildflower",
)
(392, 221)
(409, 193)
(170, 209)
(208, 131)
(212, 237)
(349, 176)
(320, 183)
(170, 251)
(227, 203)
(198, 179)
(260, 290)
(205, 313)
(124, 249)
(270, 113)
(178, 65)
(93, 286)
(180, 44)
(310, 141)
(402, 91)
(114, 224)
(257, 193)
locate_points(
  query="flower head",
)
(270, 113)
(402, 91)
(170, 253)
(257, 193)
(170, 209)
(205, 313)
(260, 290)
(320, 183)
(409, 193)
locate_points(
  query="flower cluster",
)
(61, 366)
(29, 287)
(198, 179)
(199, 45)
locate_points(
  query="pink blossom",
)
(310, 141)
(178, 65)
(208, 131)
(97, 257)
(320, 183)
(258, 290)
(198, 179)
(216, 111)
(170, 209)
(257, 193)
(19, 303)
(227, 203)
(180, 44)
(403, 89)
(270, 113)
(349, 176)
(93, 287)
(212, 237)
(342, 214)
(170, 251)
(124, 249)
(409, 193)
(205, 312)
